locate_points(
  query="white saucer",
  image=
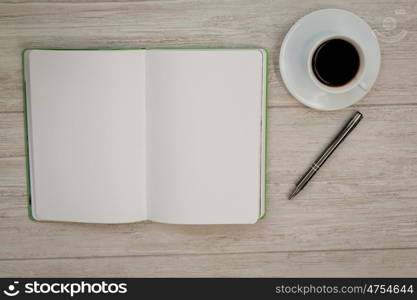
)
(292, 60)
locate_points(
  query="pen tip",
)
(292, 195)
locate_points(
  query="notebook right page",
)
(204, 135)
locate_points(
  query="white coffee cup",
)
(356, 81)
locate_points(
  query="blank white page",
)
(86, 117)
(204, 135)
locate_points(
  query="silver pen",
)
(326, 154)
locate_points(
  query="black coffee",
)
(335, 62)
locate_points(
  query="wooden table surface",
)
(358, 217)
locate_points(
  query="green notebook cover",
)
(265, 112)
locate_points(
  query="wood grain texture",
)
(11, 135)
(374, 263)
(358, 217)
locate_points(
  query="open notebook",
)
(168, 135)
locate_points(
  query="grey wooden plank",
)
(375, 263)
(11, 135)
(80, 1)
(363, 198)
(261, 23)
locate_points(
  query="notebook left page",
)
(86, 127)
